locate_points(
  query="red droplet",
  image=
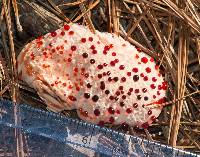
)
(107, 92)
(136, 78)
(136, 56)
(145, 125)
(122, 104)
(77, 88)
(111, 110)
(85, 113)
(86, 75)
(111, 119)
(105, 52)
(118, 111)
(72, 98)
(64, 84)
(163, 100)
(116, 98)
(139, 49)
(164, 85)
(53, 50)
(117, 93)
(152, 86)
(156, 67)
(124, 97)
(62, 33)
(142, 75)
(148, 70)
(99, 76)
(135, 105)
(87, 95)
(101, 123)
(139, 97)
(106, 47)
(137, 90)
(96, 112)
(92, 47)
(53, 34)
(154, 79)
(121, 67)
(100, 66)
(144, 90)
(151, 59)
(129, 73)
(105, 64)
(125, 126)
(94, 51)
(69, 59)
(145, 78)
(113, 54)
(136, 127)
(153, 118)
(128, 110)
(109, 79)
(144, 60)
(90, 39)
(71, 32)
(95, 98)
(116, 60)
(108, 73)
(44, 53)
(154, 96)
(135, 70)
(111, 97)
(73, 48)
(130, 89)
(149, 112)
(83, 40)
(85, 55)
(89, 85)
(92, 61)
(159, 87)
(81, 83)
(112, 63)
(58, 47)
(123, 79)
(66, 27)
(120, 87)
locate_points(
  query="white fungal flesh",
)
(61, 64)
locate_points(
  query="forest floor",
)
(167, 30)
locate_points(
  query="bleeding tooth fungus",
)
(101, 75)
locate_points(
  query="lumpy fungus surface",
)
(102, 76)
